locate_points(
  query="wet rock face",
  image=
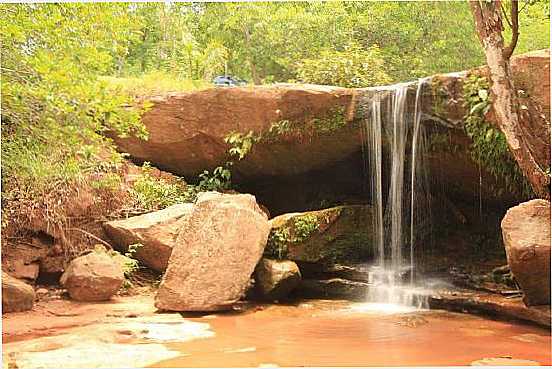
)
(93, 277)
(215, 254)
(156, 231)
(275, 279)
(326, 236)
(16, 295)
(526, 234)
(333, 288)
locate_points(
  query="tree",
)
(352, 67)
(488, 22)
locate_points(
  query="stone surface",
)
(215, 253)
(526, 234)
(156, 231)
(333, 288)
(490, 304)
(93, 277)
(504, 361)
(187, 133)
(275, 279)
(16, 295)
(326, 236)
(187, 130)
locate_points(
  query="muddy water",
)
(338, 333)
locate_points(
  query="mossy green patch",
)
(439, 96)
(332, 235)
(489, 147)
(242, 143)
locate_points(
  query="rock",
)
(504, 361)
(92, 277)
(156, 232)
(461, 174)
(187, 130)
(486, 303)
(215, 253)
(275, 279)
(333, 288)
(328, 236)
(526, 234)
(353, 272)
(16, 295)
(21, 259)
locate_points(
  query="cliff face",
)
(306, 145)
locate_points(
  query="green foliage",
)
(353, 66)
(304, 226)
(332, 121)
(241, 143)
(166, 43)
(219, 180)
(439, 97)
(110, 181)
(154, 83)
(130, 266)
(300, 229)
(277, 242)
(54, 108)
(489, 146)
(151, 193)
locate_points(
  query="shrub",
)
(354, 66)
(152, 193)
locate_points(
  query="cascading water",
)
(388, 120)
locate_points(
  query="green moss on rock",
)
(335, 235)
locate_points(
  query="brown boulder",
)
(328, 236)
(156, 231)
(187, 130)
(16, 295)
(526, 234)
(215, 254)
(275, 279)
(93, 277)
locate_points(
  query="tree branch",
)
(514, 14)
(505, 15)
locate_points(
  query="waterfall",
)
(389, 121)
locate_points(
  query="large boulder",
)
(329, 236)
(526, 234)
(275, 279)
(93, 277)
(215, 253)
(155, 231)
(315, 133)
(16, 295)
(187, 131)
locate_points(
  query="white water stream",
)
(389, 121)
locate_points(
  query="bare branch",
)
(514, 13)
(91, 236)
(505, 14)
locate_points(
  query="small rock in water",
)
(504, 361)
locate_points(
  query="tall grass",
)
(154, 84)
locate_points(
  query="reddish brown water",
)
(325, 333)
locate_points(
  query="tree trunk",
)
(254, 74)
(489, 27)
